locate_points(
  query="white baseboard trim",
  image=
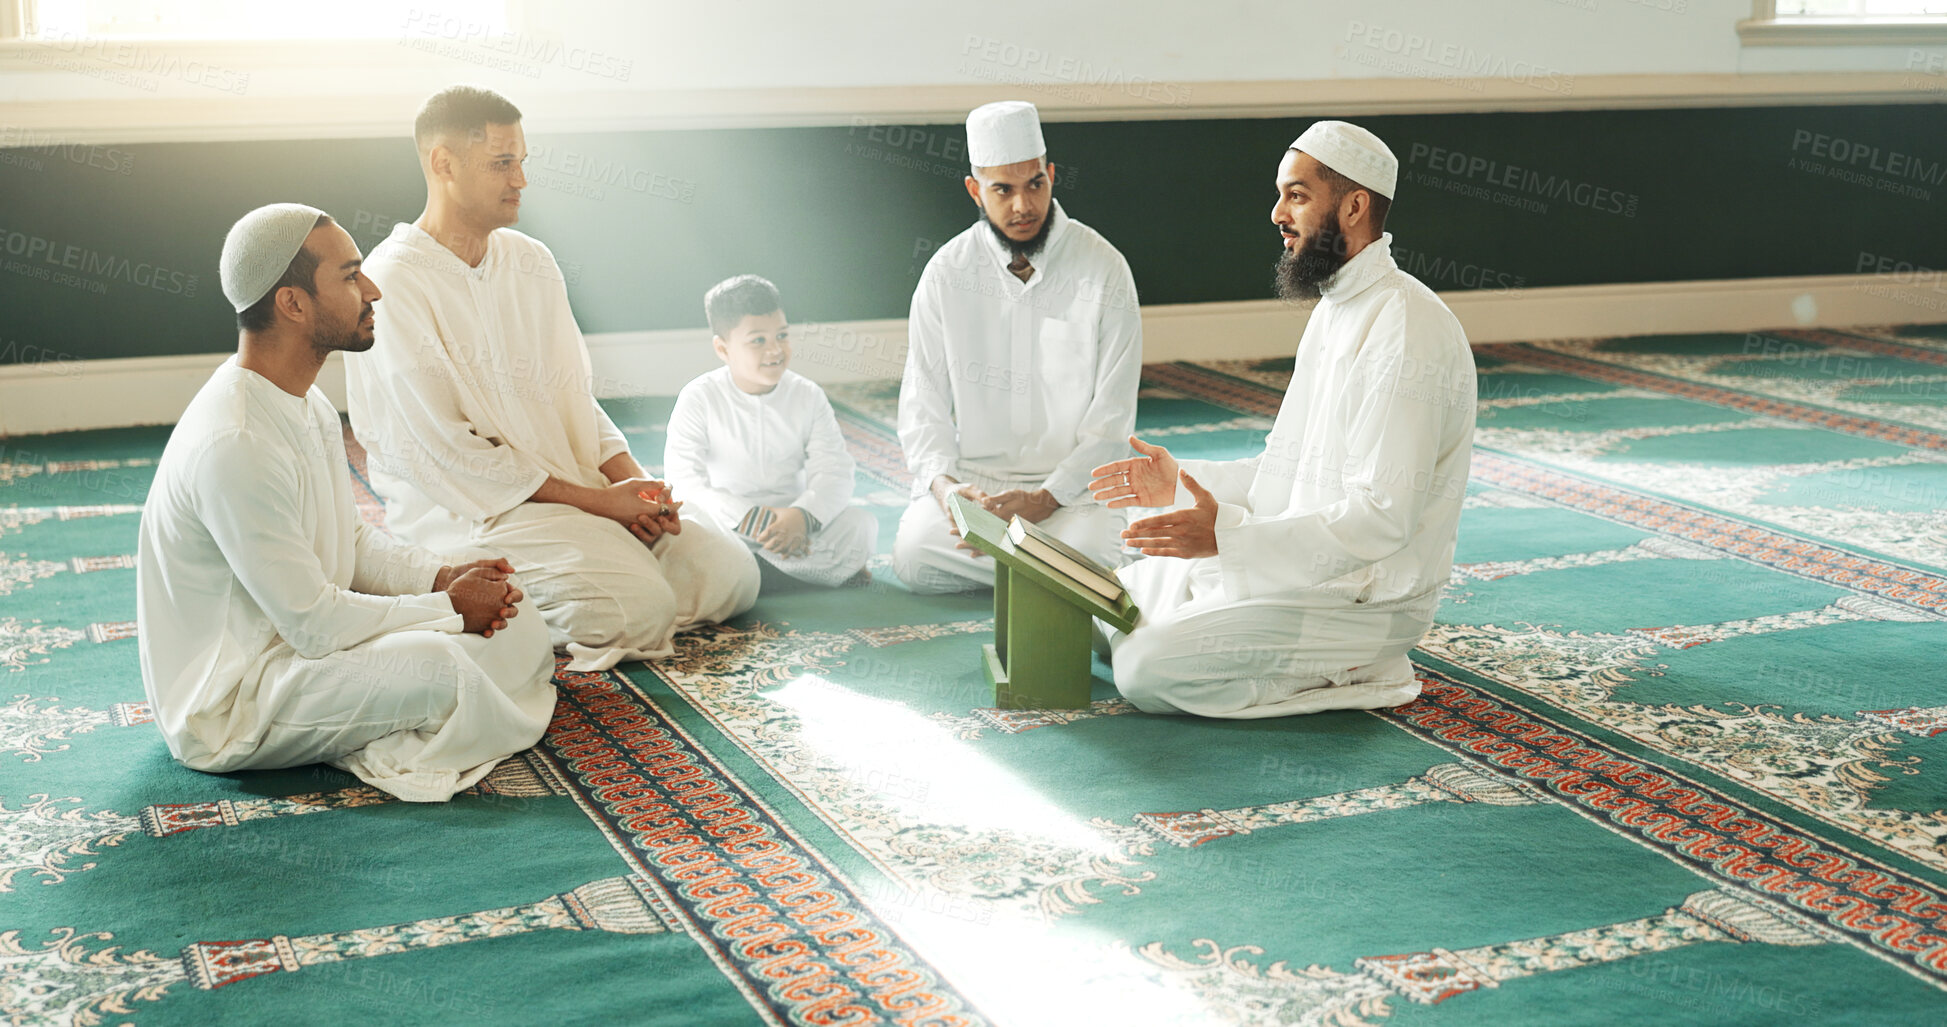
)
(71, 395)
(78, 395)
(1736, 305)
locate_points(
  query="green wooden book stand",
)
(1039, 658)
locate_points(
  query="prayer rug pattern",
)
(1678, 758)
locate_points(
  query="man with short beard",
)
(1025, 347)
(1298, 580)
(478, 413)
(275, 627)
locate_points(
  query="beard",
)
(328, 336)
(1304, 271)
(1018, 247)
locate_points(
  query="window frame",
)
(16, 20)
(1766, 27)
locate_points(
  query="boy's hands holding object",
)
(783, 530)
(787, 534)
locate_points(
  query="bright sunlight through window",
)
(256, 19)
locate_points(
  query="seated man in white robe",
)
(276, 627)
(1298, 580)
(1024, 354)
(480, 421)
(756, 446)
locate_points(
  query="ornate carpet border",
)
(1866, 344)
(1891, 915)
(877, 453)
(1214, 387)
(1790, 554)
(1832, 420)
(781, 922)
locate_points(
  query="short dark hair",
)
(730, 301)
(302, 274)
(1341, 185)
(461, 111)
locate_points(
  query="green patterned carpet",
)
(1679, 759)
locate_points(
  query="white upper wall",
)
(1102, 57)
(880, 42)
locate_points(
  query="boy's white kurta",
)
(477, 392)
(278, 629)
(1333, 545)
(1013, 384)
(729, 450)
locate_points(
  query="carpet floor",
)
(1678, 758)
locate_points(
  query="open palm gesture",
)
(1188, 533)
(1147, 479)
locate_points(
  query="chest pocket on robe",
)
(1065, 363)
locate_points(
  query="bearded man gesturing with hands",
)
(1299, 579)
(1151, 480)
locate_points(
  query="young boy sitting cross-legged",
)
(756, 446)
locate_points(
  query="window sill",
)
(1842, 32)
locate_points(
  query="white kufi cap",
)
(1007, 132)
(260, 247)
(1353, 152)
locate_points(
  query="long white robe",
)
(729, 450)
(1332, 545)
(477, 391)
(277, 629)
(1012, 384)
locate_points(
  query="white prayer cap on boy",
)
(1007, 132)
(1353, 152)
(260, 248)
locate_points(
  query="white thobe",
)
(1334, 543)
(277, 629)
(729, 450)
(1017, 385)
(477, 391)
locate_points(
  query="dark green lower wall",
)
(111, 251)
